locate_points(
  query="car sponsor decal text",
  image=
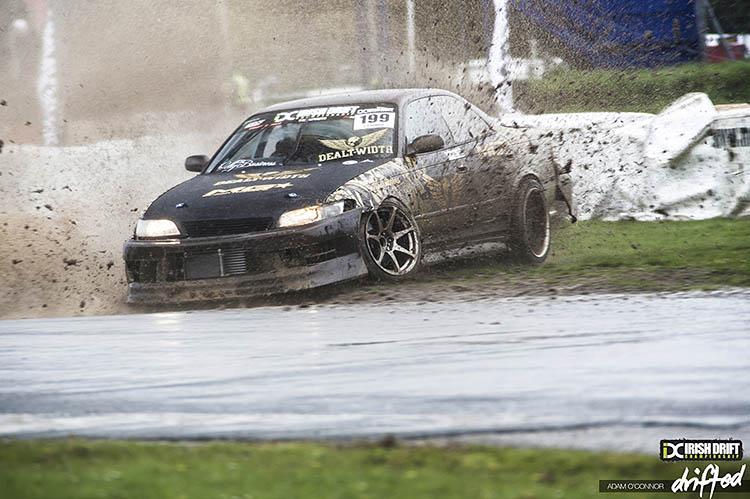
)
(245, 188)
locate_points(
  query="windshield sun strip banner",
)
(376, 117)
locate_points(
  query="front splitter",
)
(268, 283)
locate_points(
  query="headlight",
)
(310, 214)
(156, 228)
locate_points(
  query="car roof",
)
(397, 96)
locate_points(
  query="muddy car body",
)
(320, 190)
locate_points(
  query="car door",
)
(477, 178)
(435, 199)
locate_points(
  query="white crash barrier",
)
(688, 162)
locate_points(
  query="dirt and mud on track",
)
(55, 271)
(63, 262)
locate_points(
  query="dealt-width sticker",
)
(355, 141)
(367, 121)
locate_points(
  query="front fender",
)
(368, 190)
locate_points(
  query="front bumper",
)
(227, 267)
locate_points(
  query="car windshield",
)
(355, 133)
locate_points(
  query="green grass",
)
(94, 469)
(716, 251)
(635, 90)
(632, 256)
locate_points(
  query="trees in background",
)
(734, 15)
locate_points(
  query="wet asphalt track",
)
(586, 371)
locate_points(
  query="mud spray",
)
(127, 90)
(118, 106)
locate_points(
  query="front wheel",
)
(530, 226)
(390, 241)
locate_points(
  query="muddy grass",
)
(464, 281)
(444, 285)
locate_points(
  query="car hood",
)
(254, 192)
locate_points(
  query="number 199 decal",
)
(374, 120)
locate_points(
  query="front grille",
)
(220, 262)
(226, 227)
(234, 262)
(226, 260)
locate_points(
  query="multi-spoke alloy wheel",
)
(390, 240)
(530, 227)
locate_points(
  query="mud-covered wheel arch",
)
(390, 241)
(529, 238)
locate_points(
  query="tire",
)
(390, 241)
(529, 225)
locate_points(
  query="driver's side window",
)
(464, 123)
(423, 117)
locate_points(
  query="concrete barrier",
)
(691, 161)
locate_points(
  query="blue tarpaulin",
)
(613, 33)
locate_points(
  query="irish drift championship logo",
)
(695, 479)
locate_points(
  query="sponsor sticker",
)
(358, 151)
(253, 124)
(245, 188)
(245, 163)
(244, 178)
(370, 120)
(354, 141)
(316, 113)
(355, 145)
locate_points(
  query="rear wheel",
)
(530, 226)
(390, 241)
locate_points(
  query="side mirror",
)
(196, 163)
(425, 143)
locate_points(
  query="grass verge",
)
(703, 254)
(634, 90)
(642, 256)
(94, 469)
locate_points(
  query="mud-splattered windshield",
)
(353, 133)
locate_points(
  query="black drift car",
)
(321, 190)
